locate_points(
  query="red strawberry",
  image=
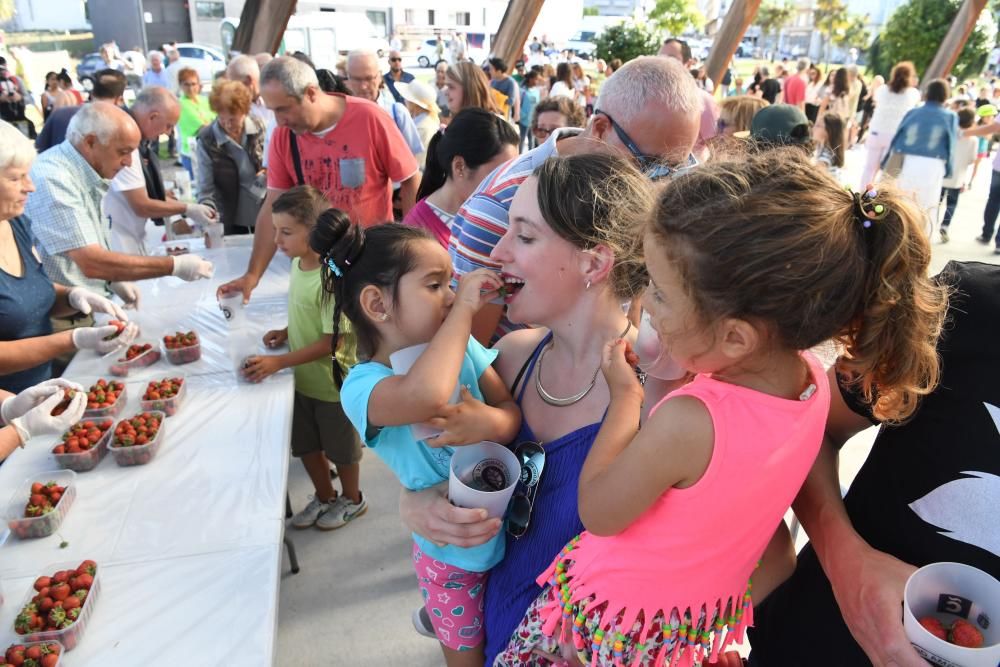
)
(60, 592)
(965, 634)
(88, 566)
(934, 626)
(42, 582)
(33, 652)
(72, 602)
(49, 660)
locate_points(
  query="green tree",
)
(626, 41)
(591, 11)
(673, 17)
(7, 10)
(916, 29)
(830, 18)
(771, 18)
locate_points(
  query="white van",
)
(323, 36)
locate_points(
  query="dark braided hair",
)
(351, 258)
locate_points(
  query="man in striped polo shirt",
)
(650, 110)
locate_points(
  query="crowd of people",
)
(519, 222)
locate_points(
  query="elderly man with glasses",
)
(396, 75)
(650, 110)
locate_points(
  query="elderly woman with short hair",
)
(28, 298)
(231, 157)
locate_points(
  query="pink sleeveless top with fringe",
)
(693, 551)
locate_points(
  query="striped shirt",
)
(483, 219)
(65, 213)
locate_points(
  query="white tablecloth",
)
(189, 545)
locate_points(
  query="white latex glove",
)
(39, 420)
(129, 293)
(201, 214)
(192, 267)
(92, 338)
(87, 302)
(16, 406)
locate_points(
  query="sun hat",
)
(419, 93)
(986, 110)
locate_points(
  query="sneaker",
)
(342, 511)
(983, 239)
(944, 235)
(422, 623)
(308, 516)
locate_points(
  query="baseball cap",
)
(780, 124)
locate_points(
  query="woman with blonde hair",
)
(468, 86)
(735, 113)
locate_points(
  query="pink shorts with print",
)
(453, 598)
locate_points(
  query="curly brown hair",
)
(230, 97)
(571, 111)
(770, 238)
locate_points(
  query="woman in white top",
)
(563, 85)
(892, 101)
(814, 88)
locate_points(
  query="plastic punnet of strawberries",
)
(32, 654)
(104, 394)
(182, 347)
(58, 601)
(82, 437)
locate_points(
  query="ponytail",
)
(474, 134)
(890, 351)
(352, 258)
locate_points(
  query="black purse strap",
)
(296, 159)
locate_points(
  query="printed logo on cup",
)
(489, 475)
(934, 658)
(227, 311)
(983, 620)
(950, 603)
(529, 473)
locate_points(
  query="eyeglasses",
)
(395, 60)
(364, 79)
(532, 458)
(652, 165)
(543, 131)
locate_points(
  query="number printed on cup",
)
(950, 603)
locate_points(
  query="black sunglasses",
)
(395, 60)
(651, 165)
(532, 458)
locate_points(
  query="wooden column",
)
(515, 29)
(262, 25)
(954, 41)
(734, 26)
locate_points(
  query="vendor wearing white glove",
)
(128, 292)
(201, 215)
(104, 339)
(87, 302)
(192, 267)
(29, 413)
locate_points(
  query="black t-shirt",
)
(928, 492)
(769, 89)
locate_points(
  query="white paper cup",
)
(475, 468)
(402, 361)
(951, 591)
(233, 310)
(653, 359)
(213, 235)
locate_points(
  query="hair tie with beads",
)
(865, 208)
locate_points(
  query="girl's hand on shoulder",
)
(275, 338)
(478, 288)
(618, 365)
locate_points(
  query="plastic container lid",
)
(45, 525)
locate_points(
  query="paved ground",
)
(350, 604)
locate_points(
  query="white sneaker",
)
(308, 516)
(341, 512)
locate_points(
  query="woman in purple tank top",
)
(569, 260)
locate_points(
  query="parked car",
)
(88, 66)
(206, 60)
(582, 44)
(427, 55)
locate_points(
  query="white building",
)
(49, 15)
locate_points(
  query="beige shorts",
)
(323, 426)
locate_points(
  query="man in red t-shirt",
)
(795, 85)
(348, 148)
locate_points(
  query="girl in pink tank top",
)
(751, 263)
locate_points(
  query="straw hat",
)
(419, 93)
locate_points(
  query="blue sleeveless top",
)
(554, 521)
(25, 303)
